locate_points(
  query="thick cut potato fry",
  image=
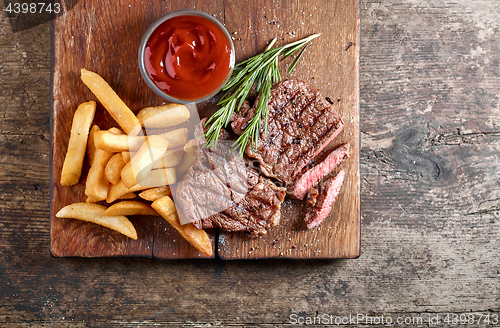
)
(113, 168)
(92, 200)
(176, 138)
(130, 207)
(163, 116)
(191, 146)
(155, 193)
(116, 143)
(95, 213)
(185, 164)
(141, 164)
(110, 100)
(198, 238)
(97, 185)
(118, 190)
(169, 160)
(91, 144)
(129, 195)
(73, 162)
(126, 156)
(115, 130)
(159, 178)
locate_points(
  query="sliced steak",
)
(221, 190)
(311, 175)
(324, 201)
(301, 123)
(205, 188)
(257, 212)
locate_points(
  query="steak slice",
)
(221, 190)
(206, 189)
(325, 200)
(301, 123)
(312, 175)
(257, 212)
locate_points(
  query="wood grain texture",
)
(429, 78)
(331, 64)
(92, 43)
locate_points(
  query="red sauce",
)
(188, 57)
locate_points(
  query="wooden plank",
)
(104, 39)
(331, 64)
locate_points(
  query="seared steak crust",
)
(301, 123)
(241, 199)
(257, 212)
(324, 201)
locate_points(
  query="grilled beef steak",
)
(221, 190)
(311, 175)
(205, 191)
(301, 123)
(216, 192)
(324, 201)
(257, 212)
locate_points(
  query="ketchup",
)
(188, 57)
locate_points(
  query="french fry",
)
(73, 162)
(156, 178)
(198, 238)
(176, 138)
(110, 100)
(185, 164)
(116, 143)
(141, 164)
(91, 199)
(115, 130)
(94, 213)
(97, 185)
(159, 178)
(191, 146)
(113, 168)
(155, 193)
(130, 207)
(170, 159)
(129, 195)
(118, 190)
(112, 142)
(163, 116)
(91, 144)
(126, 156)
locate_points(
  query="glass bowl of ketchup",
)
(186, 56)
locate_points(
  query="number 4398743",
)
(471, 318)
(32, 8)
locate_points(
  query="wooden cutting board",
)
(104, 37)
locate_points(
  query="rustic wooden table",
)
(430, 204)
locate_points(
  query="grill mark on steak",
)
(257, 212)
(301, 123)
(251, 203)
(311, 146)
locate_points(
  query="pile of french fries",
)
(126, 164)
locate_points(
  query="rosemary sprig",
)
(262, 71)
